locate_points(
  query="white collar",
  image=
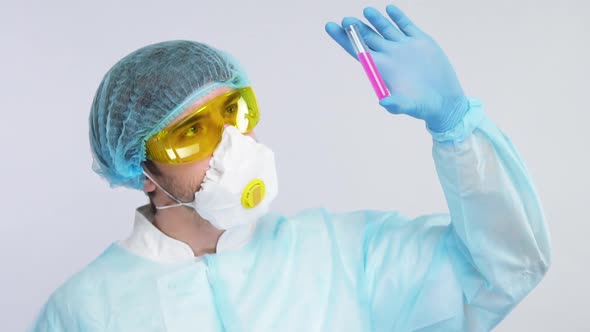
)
(148, 241)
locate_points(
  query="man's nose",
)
(250, 133)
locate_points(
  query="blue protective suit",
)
(358, 271)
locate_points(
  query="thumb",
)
(397, 104)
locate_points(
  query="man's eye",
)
(192, 131)
(231, 109)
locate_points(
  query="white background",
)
(335, 147)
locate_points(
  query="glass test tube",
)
(366, 60)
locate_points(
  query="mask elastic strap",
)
(179, 203)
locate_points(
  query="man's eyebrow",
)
(180, 118)
(191, 109)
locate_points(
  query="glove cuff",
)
(465, 127)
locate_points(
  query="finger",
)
(340, 37)
(396, 104)
(382, 24)
(375, 41)
(402, 21)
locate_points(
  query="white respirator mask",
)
(239, 185)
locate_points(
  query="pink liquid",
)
(376, 80)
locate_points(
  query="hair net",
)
(144, 92)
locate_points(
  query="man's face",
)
(183, 180)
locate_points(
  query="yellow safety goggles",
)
(197, 135)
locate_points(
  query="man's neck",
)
(186, 225)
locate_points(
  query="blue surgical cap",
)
(143, 93)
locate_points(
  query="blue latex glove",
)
(422, 81)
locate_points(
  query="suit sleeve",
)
(467, 270)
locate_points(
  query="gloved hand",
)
(416, 71)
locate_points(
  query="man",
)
(176, 120)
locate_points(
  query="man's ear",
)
(148, 185)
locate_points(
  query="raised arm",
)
(466, 271)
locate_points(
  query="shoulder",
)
(322, 224)
(280, 225)
(81, 299)
(321, 218)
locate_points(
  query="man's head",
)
(147, 91)
(182, 180)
